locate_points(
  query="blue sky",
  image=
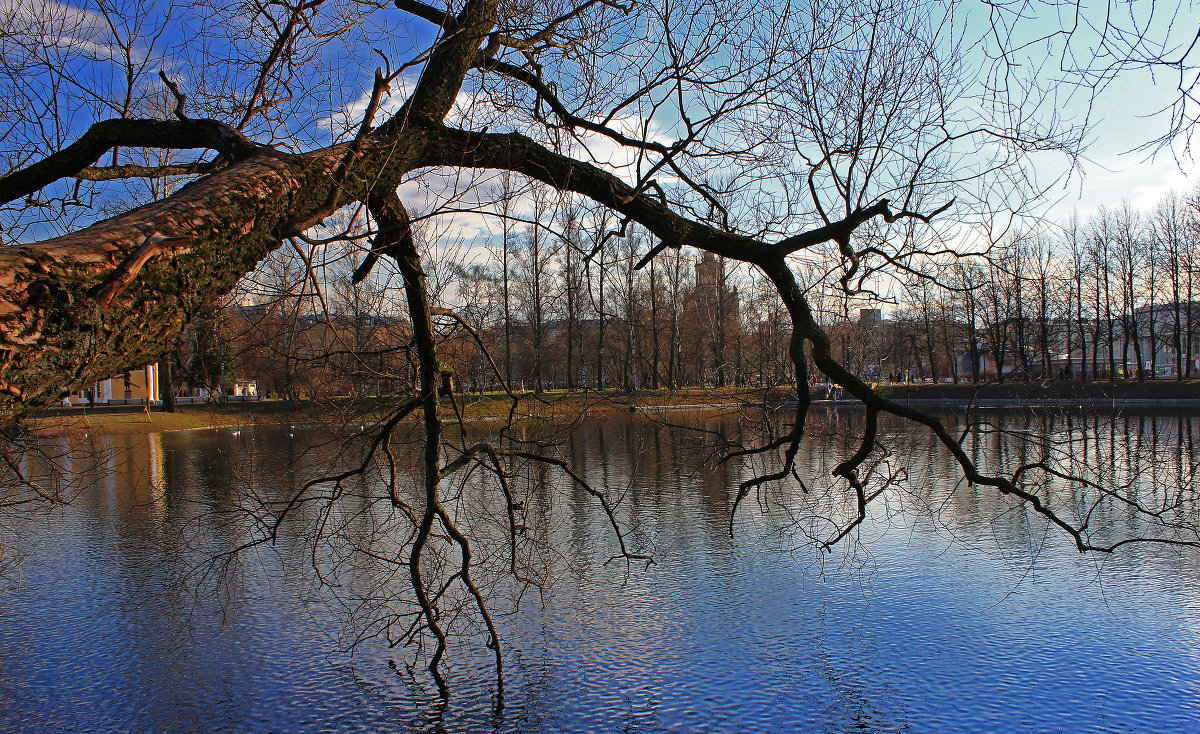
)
(1116, 169)
(1123, 115)
(1131, 110)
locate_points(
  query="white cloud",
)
(1115, 178)
(60, 28)
(347, 120)
(623, 160)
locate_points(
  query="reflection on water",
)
(956, 610)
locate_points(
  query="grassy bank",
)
(127, 419)
(557, 406)
(552, 406)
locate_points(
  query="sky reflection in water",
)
(972, 621)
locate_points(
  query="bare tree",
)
(534, 263)
(1102, 235)
(854, 140)
(676, 266)
(1130, 258)
(629, 297)
(505, 205)
(1042, 281)
(1173, 228)
(600, 258)
(997, 298)
(1077, 265)
(572, 289)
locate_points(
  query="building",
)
(714, 311)
(135, 387)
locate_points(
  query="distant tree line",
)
(1113, 296)
(555, 300)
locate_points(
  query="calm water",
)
(952, 611)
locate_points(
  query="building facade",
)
(137, 386)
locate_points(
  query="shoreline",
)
(566, 407)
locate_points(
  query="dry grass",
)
(554, 407)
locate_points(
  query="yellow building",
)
(137, 386)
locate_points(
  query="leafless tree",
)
(571, 273)
(1173, 229)
(854, 140)
(1130, 259)
(1102, 228)
(1042, 279)
(1077, 264)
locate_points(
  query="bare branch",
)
(108, 134)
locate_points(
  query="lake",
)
(952, 609)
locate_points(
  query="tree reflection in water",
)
(943, 586)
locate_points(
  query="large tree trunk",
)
(71, 310)
(166, 383)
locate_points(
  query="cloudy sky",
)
(1126, 115)
(1130, 113)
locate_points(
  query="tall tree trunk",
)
(166, 384)
(654, 330)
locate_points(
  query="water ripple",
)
(916, 634)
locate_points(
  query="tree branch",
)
(427, 12)
(107, 134)
(130, 170)
(841, 230)
(515, 152)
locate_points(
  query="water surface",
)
(951, 611)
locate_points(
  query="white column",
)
(151, 383)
